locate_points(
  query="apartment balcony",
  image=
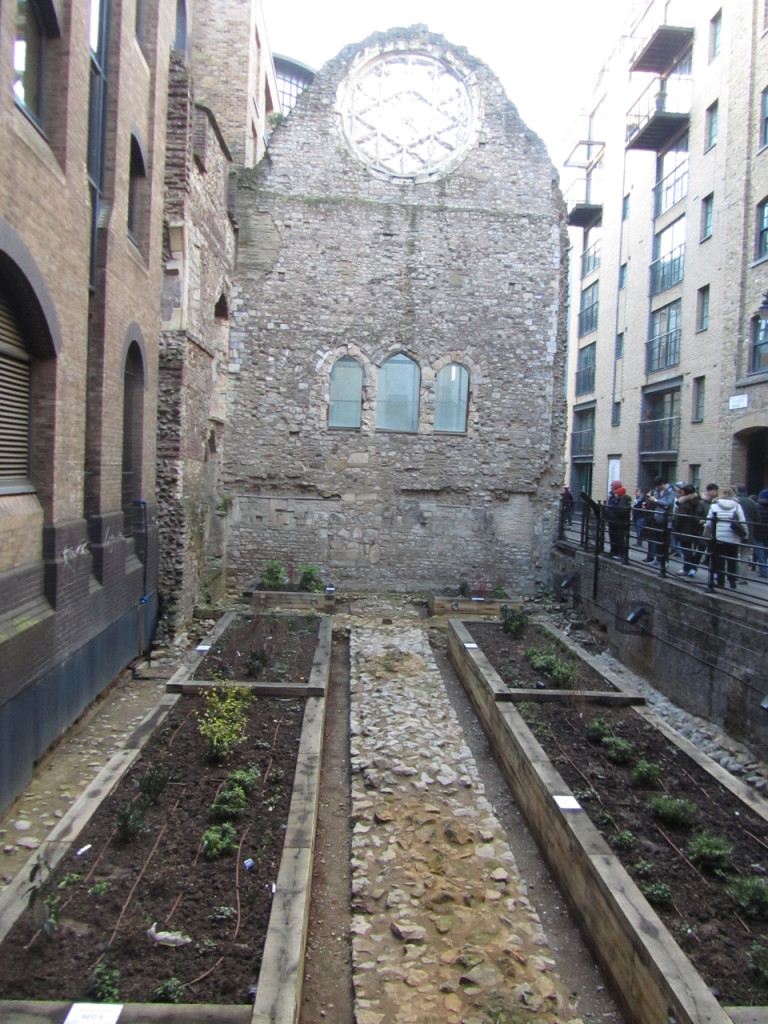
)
(582, 442)
(585, 380)
(588, 319)
(663, 351)
(670, 190)
(664, 32)
(661, 113)
(590, 259)
(668, 270)
(584, 203)
(660, 436)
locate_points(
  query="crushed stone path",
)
(442, 927)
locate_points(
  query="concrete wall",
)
(465, 267)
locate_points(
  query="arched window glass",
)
(397, 402)
(136, 187)
(451, 399)
(346, 393)
(28, 58)
(133, 431)
(15, 366)
(180, 42)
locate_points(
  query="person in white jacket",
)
(727, 526)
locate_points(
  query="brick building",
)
(669, 216)
(397, 330)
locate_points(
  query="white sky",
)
(547, 53)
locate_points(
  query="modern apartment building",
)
(668, 214)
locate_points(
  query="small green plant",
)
(130, 821)
(685, 934)
(499, 592)
(153, 782)
(274, 576)
(229, 804)
(514, 622)
(245, 778)
(617, 749)
(622, 840)
(218, 841)
(169, 991)
(674, 811)
(548, 662)
(646, 774)
(99, 889)
(757, 958)
(309, 579)
(70, 879)
(465, 589)
(602, 819)
(223, 913)
(597, 730)
(255, 663)
(658, 894)
(222, 723)
(712, 852)
(105, 984)
(751, 895)
(644, 868)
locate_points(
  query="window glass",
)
(710, 126)
(589, 309)
(762, 229)
(28, 58)
(623, 276)
(346, 393)
(397, 402)
(15, 367)
(707, 210)
(759, 361)
(697, 411)
(585, 371)
(135, 183)
(133, 428)
(451, 395)
(663, 348)
(702, 309)
(715, 30)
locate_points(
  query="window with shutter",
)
(15, 372)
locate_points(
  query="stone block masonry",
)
(464, 266)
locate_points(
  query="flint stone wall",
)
(469, 268)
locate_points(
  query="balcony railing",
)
(660, 435)
(588, 319)
(583, 442)
(662, 111)
(590, 259)
(662, 33)
(662, 351)
(668, 270)
(670, 190)
(585, 380)
(584, 201)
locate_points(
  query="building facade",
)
(668, 210)
(397, 330)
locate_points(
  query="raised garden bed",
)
(240, 912)
(463, 604)
(654, 979)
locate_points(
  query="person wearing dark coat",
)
(688, 526)
(617, 513)
(761, 534)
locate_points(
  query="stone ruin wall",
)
(468, 268)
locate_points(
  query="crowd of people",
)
(725, 530)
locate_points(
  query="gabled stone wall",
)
(466, 267)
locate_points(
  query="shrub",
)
(658, 894)
(644, 868)
(465, 589)
(256, 662)
(751, 895)
(622, 840)
(646, 774)
(129, 822)
(274, 576)
(617, 750)
(674, 811)
(105, 984)
(153, 782)
(757, 959)
(711, 851)
(244, 778)
(560, 672)
(597, 730)
(219, 840)
(169, 991)
(222, 724)
(309, 579)
(230, 803)
(514, 621)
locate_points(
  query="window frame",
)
(586, 362)
(707, 216)
(411, 397)
(711, 124)
(347, 360)
(715, 35)
(761, 230)
(702, 308)
(16, 369)
(589, 309)
(462, 406)
(758, 354)
(698, 393)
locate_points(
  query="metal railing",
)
(662, 435)
(583, 442)
(670, 190)
(662, 351)
(668, 270)
(588, 319)
(585, 380)
(590, 259)
(662, 96)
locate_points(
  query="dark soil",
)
(108, 897)
(693, 902)
(507, 655)
(263, 646)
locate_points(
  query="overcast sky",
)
(545, 52)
